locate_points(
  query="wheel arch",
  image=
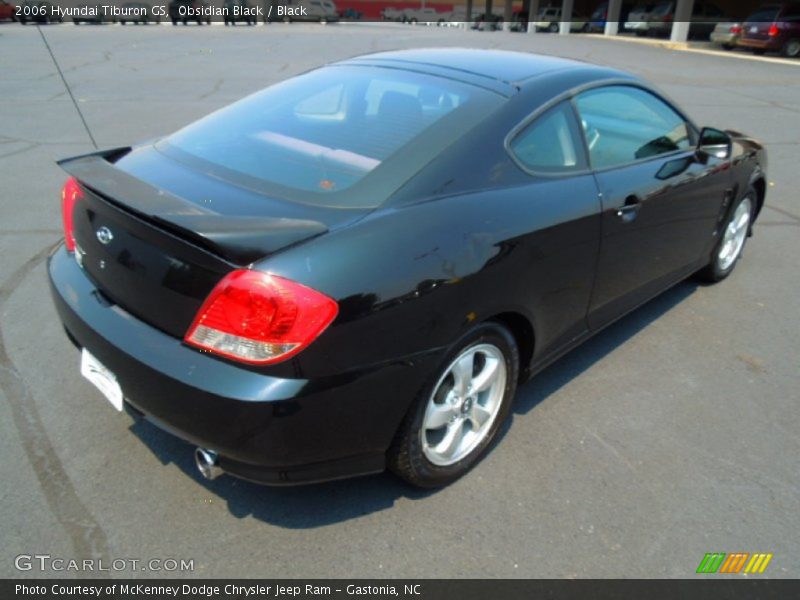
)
(522, 330)
(760, 186)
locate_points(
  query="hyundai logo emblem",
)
(104, 235)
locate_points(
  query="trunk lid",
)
(758, 24)
(156, 236)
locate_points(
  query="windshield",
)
(317, 135)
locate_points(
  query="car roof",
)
(499, 70)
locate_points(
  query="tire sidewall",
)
(717, 272)
(793, 43)
(426, 473)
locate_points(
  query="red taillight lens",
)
(259, 318)
(773, 30)
(70, 194)
(736, 29)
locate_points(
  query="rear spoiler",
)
(240, 239)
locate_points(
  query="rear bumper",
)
(266, 429)
(724, 38)
(766, 45)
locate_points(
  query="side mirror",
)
(716, 143)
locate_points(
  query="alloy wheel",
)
(735, 235)
(464, 404)
(792, 49)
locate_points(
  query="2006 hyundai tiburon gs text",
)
(355, 268)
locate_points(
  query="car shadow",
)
(561, 372)
(311, 506)
(293, 507)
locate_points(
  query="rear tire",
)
(791, 49)
(456, 416)
(553, 28)
(732, 239)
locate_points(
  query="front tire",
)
(457, 415)
(732, 240)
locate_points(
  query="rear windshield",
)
(662, 9)
(314, 137)
(765, 14)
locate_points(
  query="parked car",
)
(638, 19)
(240, 11)
(455, 17)
(391, 13)
(351, 14)
(92, 12)
(549, 18)
(423, 15)
(726, 34)
(519, 21)
(184, 11)
(38, 11)
(308, 287)
(597, 22)
(145, 14)
(8, 11)
(487, 22)
(704, 18)
(773, 28)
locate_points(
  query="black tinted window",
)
(549, 143)
(623, 124)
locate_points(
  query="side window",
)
(624, 124)
(549, 144)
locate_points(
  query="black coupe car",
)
(355, 268)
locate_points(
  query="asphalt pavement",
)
(671, 434)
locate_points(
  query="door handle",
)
(628, 211)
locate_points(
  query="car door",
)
(660, 202)
(560, 209)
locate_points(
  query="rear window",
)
(765, 14)
(315, 136)
(662, 9)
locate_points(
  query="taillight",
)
(259, 318)
(736, 29)
(70, 194)
(773, 30)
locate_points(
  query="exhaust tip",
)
(207, 463)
